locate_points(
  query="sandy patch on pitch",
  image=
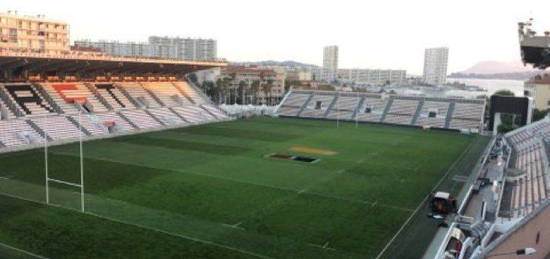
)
(315, 151)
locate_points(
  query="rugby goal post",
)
(79, 102)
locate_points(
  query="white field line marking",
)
(236, 226)
(323, 247)
(423, 201)
(144, 227)
(341, 171)
(22, 251)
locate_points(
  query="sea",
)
(492, 85)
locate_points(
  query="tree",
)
(539, 115)
(193, 78)
(255, 86)
(504, 93)
(242, 86)
(269, 88)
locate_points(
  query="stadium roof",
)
(85, 62)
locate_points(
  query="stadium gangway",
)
(78, 185)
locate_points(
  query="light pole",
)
(524, 251)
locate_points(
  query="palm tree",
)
(242, 86)
(226, 83)
(219, 87)
(255, 88)
(269, 88)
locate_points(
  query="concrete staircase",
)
(331, 105)
(387, 109)
(305, 105)
(449, 115)
(417, 112)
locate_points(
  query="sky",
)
(386, 34)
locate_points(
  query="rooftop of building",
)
(41, 18)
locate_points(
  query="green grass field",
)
(211, 191)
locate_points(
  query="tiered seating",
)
(167, 93)
(296, 99)
(468, 114)
(166, 116)
(49, 108)
(114, 119)
(190, 92)
(57, 127)
(347, 103)
(288, 111)
(193, 114)
(439, 109)
(401, 111)
(141, 119)
(468, 110)
(66, 94)
(214, 110)
(13, 132)
(522, 137)
(91, 123)
(403, 107)
(317, 106)
(138, 93)
(5, 112)
(530, 190)
(29, 100)
(372, 109)
(114, 96)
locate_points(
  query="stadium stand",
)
(66, 111)
(57, 127)
(317, 106)
(167, 93)
(26, 98)
(373, 108)
(167, 116)
(66, 94)
(190, 92)
(115, 123)
(529, 179)
(510, 190)
(5, 112)
(18, 132)
(344, 107)
(114, 97)
(141, 119)
(193, 114)
(142, 97)
(433, 113)
(445, 113)
(216, 112)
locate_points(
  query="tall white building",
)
(373, 76)
(330, 63)
(188, 48)
(435, 65)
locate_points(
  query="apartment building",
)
(373, 76)
(435, 65)
(538, 88)
(271, 83)
(33, 34)
(188, 48)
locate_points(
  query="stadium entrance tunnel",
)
(295, 158)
